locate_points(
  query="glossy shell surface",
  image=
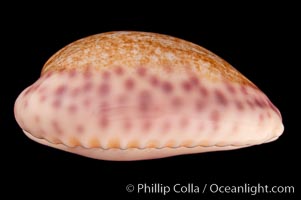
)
(136, 95)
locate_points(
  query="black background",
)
(258, 40)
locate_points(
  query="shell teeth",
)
(148, 110)
(137, 91)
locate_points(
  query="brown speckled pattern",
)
(135, 95)
(147, 49)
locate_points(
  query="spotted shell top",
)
(136, 95)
